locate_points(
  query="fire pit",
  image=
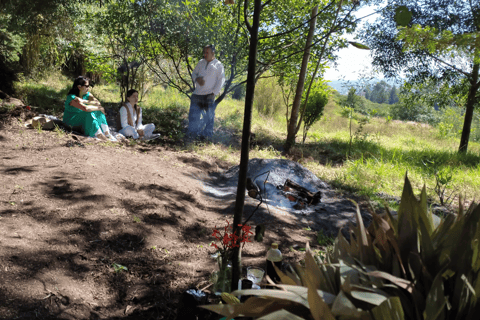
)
(290, 193)
(278, 182)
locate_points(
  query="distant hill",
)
(342, 86)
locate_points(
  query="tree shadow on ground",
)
(91, 245)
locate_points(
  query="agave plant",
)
(399, 268)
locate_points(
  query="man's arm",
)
(220, 80)
(196, 72)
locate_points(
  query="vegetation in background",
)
(268, 97)
(314, 106)
(422, 42)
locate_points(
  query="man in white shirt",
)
(208, 77)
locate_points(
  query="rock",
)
(9, 101)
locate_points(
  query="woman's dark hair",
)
(80, 81)
(129, 94)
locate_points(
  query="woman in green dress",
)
(83, 109)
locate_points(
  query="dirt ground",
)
(74, 211)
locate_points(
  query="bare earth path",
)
(70, 213)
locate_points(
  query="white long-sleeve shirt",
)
(124, 117)
(213, 74)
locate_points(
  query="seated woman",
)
(83, 109)
(131, 119)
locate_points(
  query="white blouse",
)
(133, 114)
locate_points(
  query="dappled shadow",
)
(82, 245)
(197, 163)
(18, 170)
(61, 188)
(96, 252)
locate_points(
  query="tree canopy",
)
(431, 40)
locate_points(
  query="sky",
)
(353, 62)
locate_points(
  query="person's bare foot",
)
(101, 136)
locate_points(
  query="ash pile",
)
(277, 183)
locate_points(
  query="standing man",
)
(208, 77)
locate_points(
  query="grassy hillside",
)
(376, 160)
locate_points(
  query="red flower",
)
(230, 240)
(216, 234)
(28, 108)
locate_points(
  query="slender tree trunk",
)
(242, 175)
(470, 106)
(292, 125)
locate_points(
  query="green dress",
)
(90, 121)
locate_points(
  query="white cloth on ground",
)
(132, 131)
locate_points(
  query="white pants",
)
(130, 131)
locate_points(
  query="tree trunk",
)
(469, 107)
(292, 125)
(242, 175)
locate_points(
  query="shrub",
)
(451, 123)
(317, 100)
(410, 267)
(415, 112)
(268, 96)
(170, 121)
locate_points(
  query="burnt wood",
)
(310, 197)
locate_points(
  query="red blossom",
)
(216, 234)
(28, 108)
(230, 240)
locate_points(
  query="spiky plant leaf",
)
(342, 306)
(300, 273)
(255, 307)
(402, 283)
(361, 236)
(410, 212)
(427, 249)
(303, 291)
(318, 307)
(294, 277)
(283, 277)
(292, 296)
(329, 282)
(390, 309)
(281, 315)
(369, 297)
(313, 273)
(223, 309)
(296, 294)
(435, 302)
(341, 248)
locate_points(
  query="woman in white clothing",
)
(131, 119)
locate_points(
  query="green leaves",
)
(403, 16)
(359, 45)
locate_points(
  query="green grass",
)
(377, 161)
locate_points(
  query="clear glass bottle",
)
(274, 256)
